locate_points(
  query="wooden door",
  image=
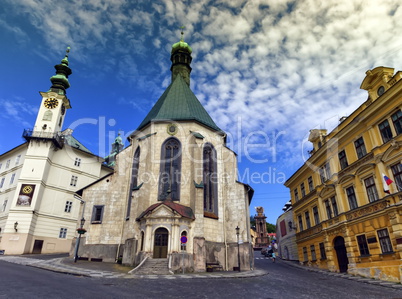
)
(161, 243)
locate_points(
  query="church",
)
(174, 195)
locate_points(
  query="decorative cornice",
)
(366, 210)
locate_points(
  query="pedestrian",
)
(273, 257)
(274, 249)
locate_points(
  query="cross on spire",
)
(182, 27)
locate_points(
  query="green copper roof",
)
(178, 103)
(71, 141)
(181, 45)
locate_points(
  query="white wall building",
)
(38, 179)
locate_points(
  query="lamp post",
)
(238, 246)
(80, 231)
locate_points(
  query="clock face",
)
(51, 103)
(63, 109)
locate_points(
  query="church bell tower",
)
(51, 114)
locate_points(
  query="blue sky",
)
(266, 71)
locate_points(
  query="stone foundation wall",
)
(105, 252)
(180, 260)
(130, 248)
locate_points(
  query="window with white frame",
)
(385, 241)
(296, 193)
(302, 190)
(397, 120)
(325, 172)
(363, 245)
(397, 172)
(2, 182)
(316, 215)
(343, 161)
(360, 148)
(371, 189)
(300, 222)
(334, 206)
(385, 131)
(77, 162)
(73, 181)
(328, 209)
(7, 164)
(310, 184)
(63, 233)
(68, 206)
(1, 165)
(17, 160)
(305, 256)
(12, 178)
(350, 192)
(312, 251)
(307, 216)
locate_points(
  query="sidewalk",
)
(345, 275)
(111, 270)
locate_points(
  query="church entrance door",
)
(161, 243)
(341, 254)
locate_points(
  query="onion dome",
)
(60, 80)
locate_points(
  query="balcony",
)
(56, 138)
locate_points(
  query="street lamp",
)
(80, 232)
(238, 246)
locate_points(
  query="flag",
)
(386, 182)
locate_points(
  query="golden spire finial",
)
(182, 27)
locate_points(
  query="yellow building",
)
(346, 219)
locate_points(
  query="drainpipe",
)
(224, 237)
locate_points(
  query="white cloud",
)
(280, 65)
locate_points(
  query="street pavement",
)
(64, 264)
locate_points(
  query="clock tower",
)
(50, 118)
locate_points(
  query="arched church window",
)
(170, 171)
(134, 179)
(48, 115)
(210, 180)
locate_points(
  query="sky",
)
(266, 71)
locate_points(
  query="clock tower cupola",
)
(51, 114)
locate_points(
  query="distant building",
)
(347, 197)
(38, 179)
(286, 234)
(176, 180)
(261, 235)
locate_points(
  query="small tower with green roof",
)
(181, 59)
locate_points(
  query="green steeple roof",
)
(60, 80)
(179, 103)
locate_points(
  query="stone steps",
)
(154, 267)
